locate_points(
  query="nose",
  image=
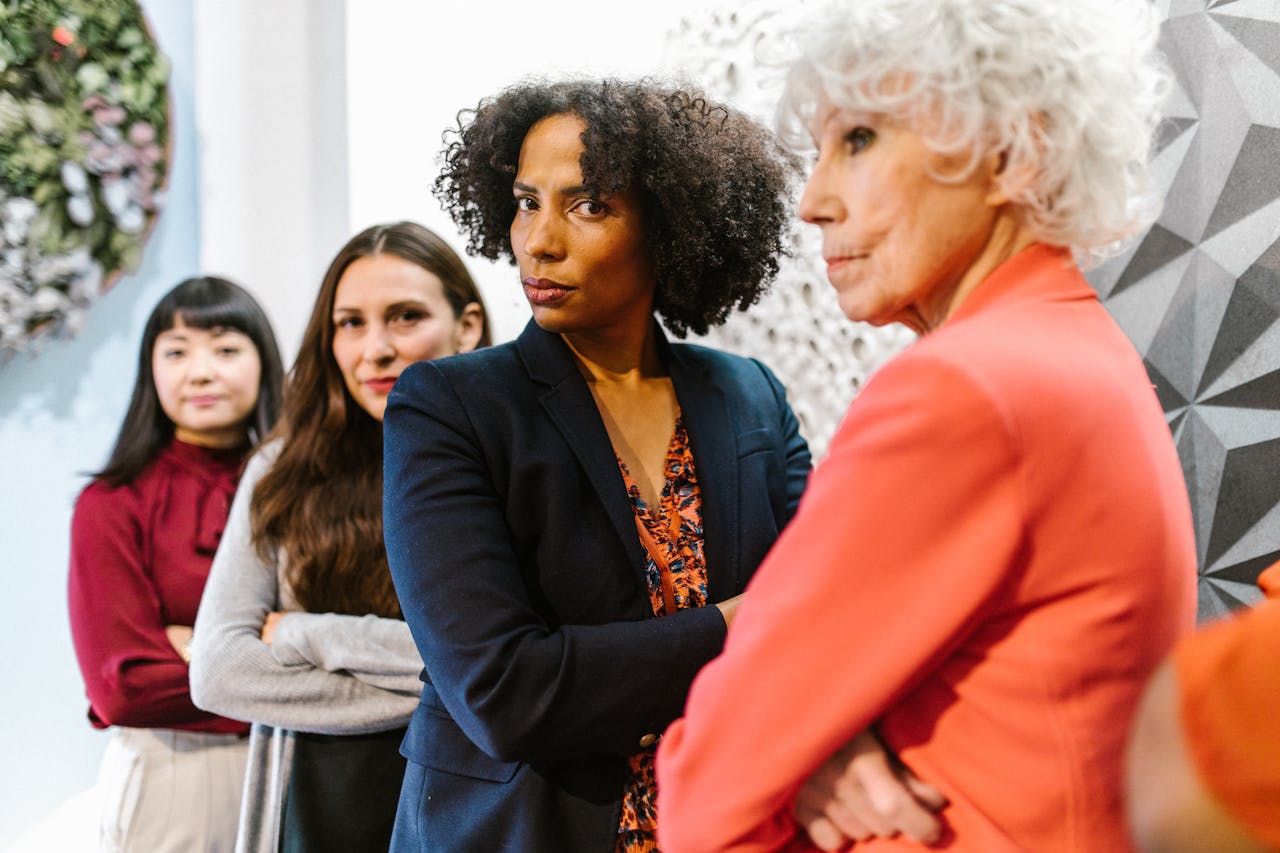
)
(378, 346)
(543, 239)
(200, 366)
(821, 204)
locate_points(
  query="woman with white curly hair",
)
(998, 547)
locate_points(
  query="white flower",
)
(12, 301)
(92, 77)
(12, 335)
(88, 284)
(80, 209)
(131, 220)
(115, 195)
(21, 210)
(50, 269)
(13, 233)
(49, 300)
(74, 177)
(41, 117)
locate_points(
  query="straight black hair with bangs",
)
(205, 302)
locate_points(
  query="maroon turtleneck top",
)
(140, 555)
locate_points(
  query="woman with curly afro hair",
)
(711, 186)
(559, 510)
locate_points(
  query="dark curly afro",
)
(714, 184)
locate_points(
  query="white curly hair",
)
(1068, 90)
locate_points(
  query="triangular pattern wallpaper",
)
(1198, 294)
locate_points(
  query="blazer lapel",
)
(713, 438)
(569, 404)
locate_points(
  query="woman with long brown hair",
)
(300, 630)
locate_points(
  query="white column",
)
(271, 115)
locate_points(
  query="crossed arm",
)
(321, 672)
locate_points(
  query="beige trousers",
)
(168, 791)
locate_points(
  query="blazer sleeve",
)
(132, 673)
(909, 527)
(797, 461)
(520, 689)
(236, 674)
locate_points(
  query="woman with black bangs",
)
(546, 501)
(143, 537)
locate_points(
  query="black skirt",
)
(343, 791)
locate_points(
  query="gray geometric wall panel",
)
(1200, 292)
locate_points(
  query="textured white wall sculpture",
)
(797, 329)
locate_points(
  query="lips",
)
(380, 384)
(544, 291)
(836, 262)
(203, 400)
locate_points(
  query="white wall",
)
(273, 183)
(59, 412)
(413, 66)
(297, 155)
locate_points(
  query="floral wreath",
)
(84, 129)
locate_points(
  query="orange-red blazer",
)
(995, 554)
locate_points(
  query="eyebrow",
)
(394, 306)
(214, 331)
(576, 189)
(407, 303)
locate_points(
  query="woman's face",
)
(897, 240)
(207, 382)
(388, 313)
(582, 259)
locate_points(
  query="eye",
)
(859, 138)
(228, 351)
(348, 321)
(590, 208)
(172, 353)
(408, 316)
(526, 203)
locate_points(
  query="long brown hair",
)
(320, 504)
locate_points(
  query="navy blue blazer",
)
(513, 548)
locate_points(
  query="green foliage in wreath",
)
(84, 131)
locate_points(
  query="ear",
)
(1000, 187)
(1010, 178)
(470, 326)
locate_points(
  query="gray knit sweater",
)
(322, 672)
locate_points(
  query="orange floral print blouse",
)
(676, 527)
